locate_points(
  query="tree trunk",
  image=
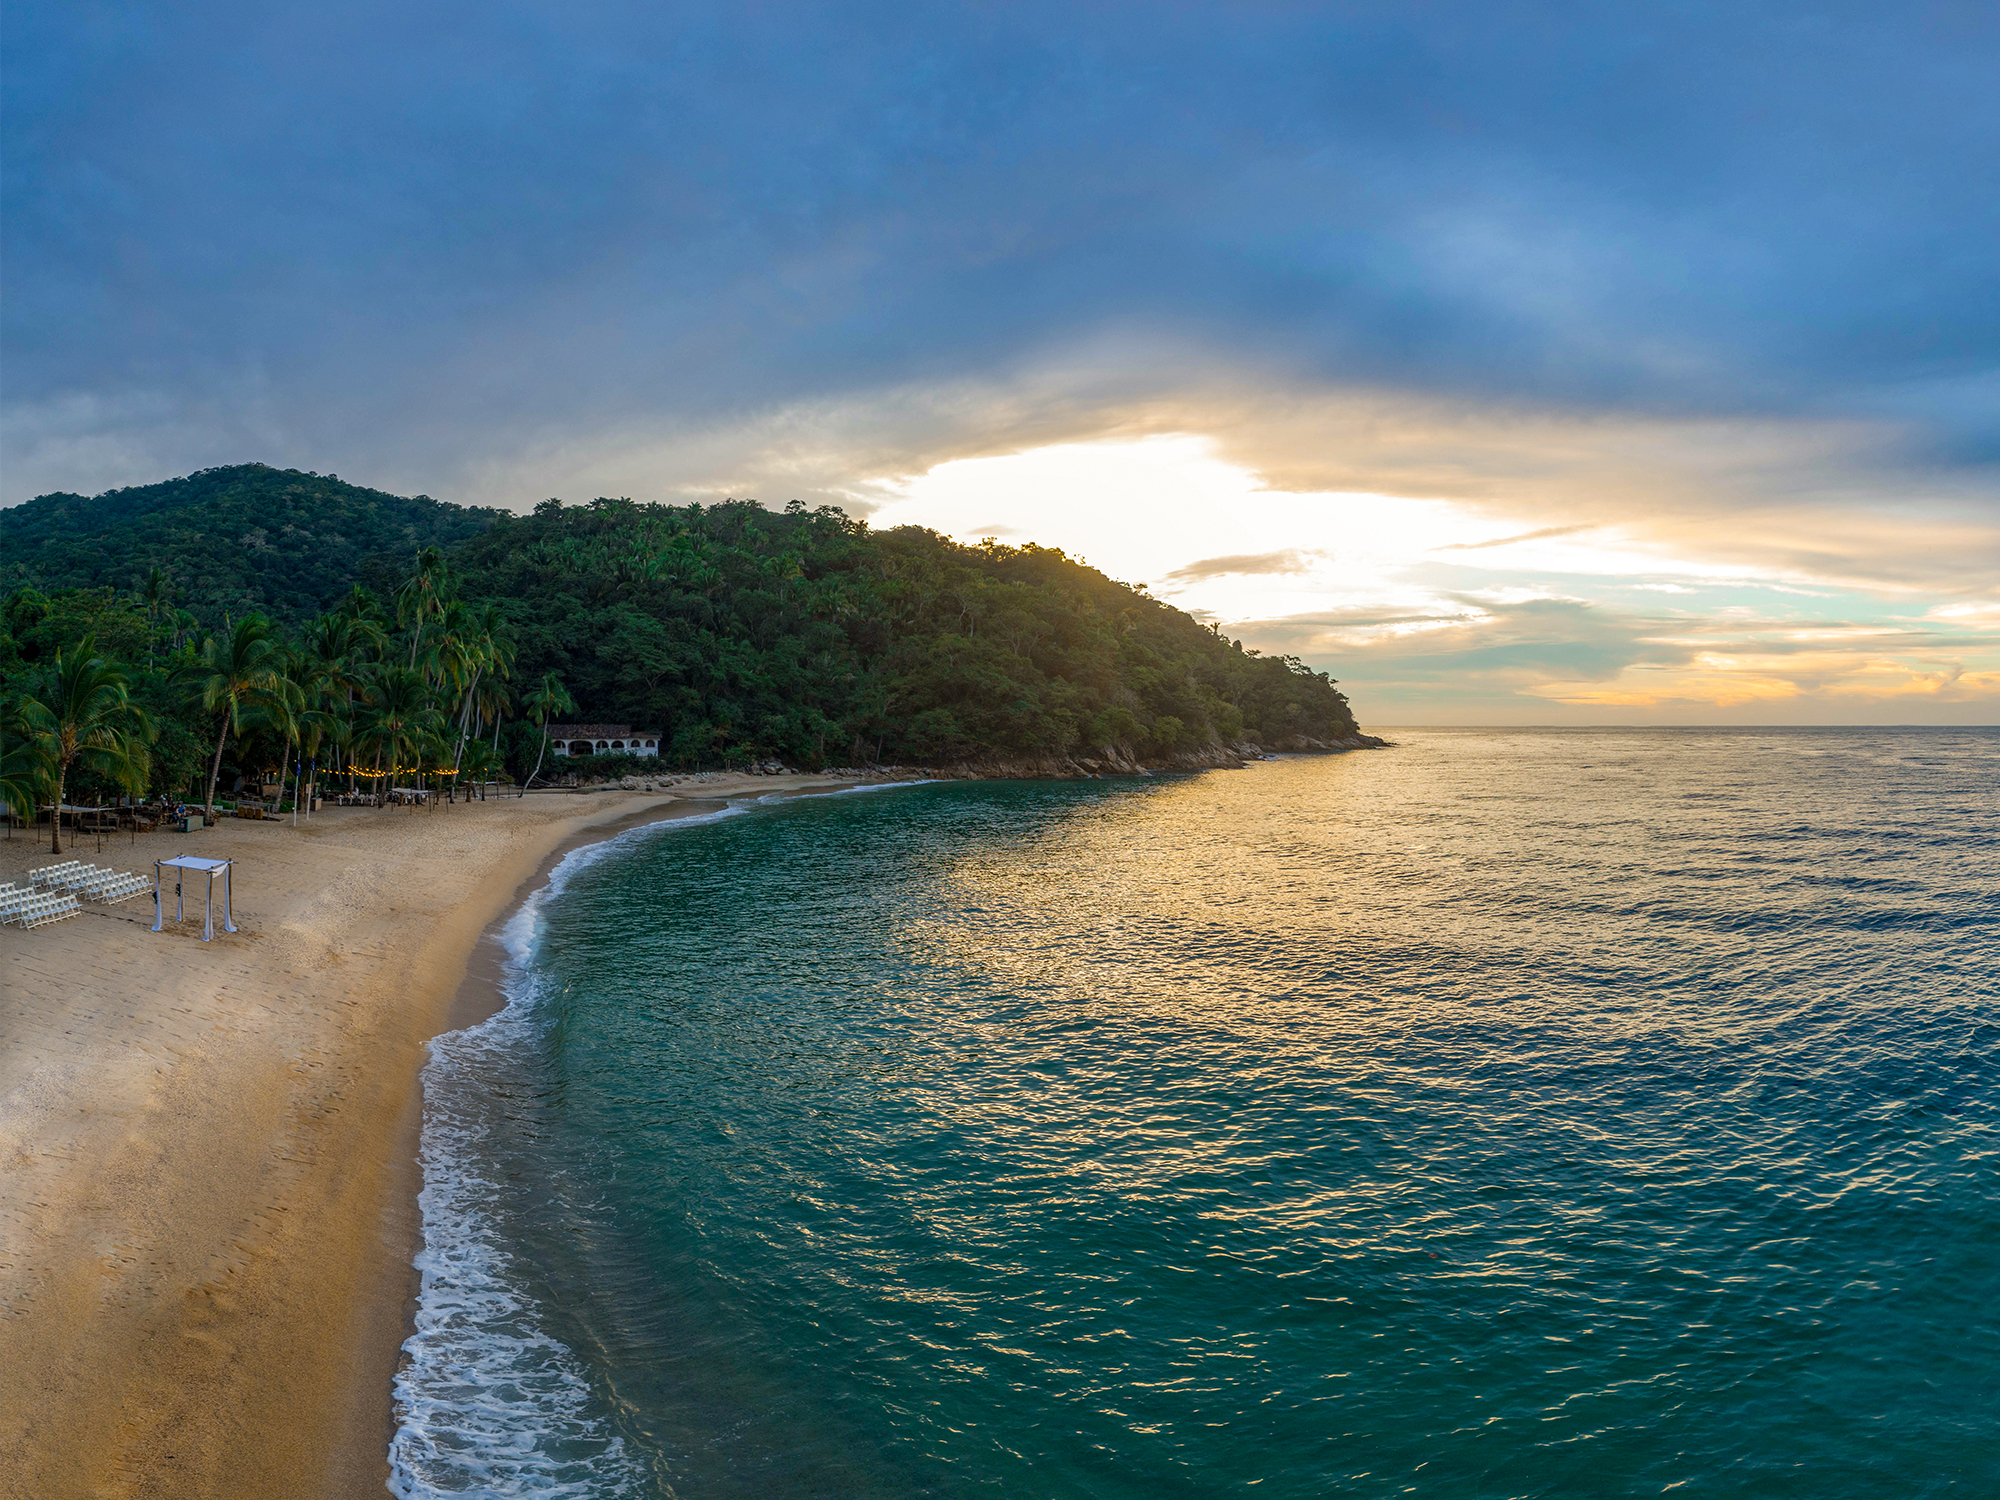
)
(284, 766)
(215, 770)
(538, 760)
(55, 813)
(463, 716)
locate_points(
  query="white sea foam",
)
(488, 1402)
(845, 791)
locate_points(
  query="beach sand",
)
(207, 1175)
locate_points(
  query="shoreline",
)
(479, 997)
(208, 1213)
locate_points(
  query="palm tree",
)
(430, 746)
(481, 762)
(547, 698)
(24, 769)
(338, 732)
(453, 657)
(423, 594)
(282, 709)
(358, 605)
(310, 727)
(400, 720)
(232, 672)
(341, 639)
(329, 671)
(491, 654)
(495, 698)
(83, 713)
(342, 644)
(153, 594)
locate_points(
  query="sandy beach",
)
(207, 1206)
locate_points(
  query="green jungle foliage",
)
(739, 631)
(232, 540)
(246, 618)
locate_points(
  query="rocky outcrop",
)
(1302, 744)
(1111, 760)
(1115, 760)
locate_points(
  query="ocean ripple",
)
(1508, 1114)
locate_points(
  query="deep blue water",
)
(1511, 1113)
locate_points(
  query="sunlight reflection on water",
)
(1511, 1113)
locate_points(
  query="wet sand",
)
(207, 1150)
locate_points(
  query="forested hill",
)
(738, 631)
(808, 630)
(234, 539)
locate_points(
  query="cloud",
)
(1791, 501)
(1517, 643)
(1290, 560)
(1699, 297)
(531, 250)
(1529, 660)
(1542, 534)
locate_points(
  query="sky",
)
(1516, 363)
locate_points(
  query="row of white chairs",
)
(94, 882)
(24, 906)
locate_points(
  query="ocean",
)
(1509, 1113)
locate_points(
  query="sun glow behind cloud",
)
(1370, 333)
(1149, 510)
(1433, 605)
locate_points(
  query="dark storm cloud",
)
(427, 234)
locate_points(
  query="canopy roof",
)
(192, 862)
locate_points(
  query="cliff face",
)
(1112, 761)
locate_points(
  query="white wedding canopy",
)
(200, 866)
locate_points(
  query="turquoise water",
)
(1506, 1114)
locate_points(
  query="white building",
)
(602, 739)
